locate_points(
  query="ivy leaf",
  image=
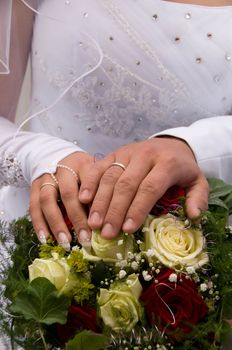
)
(41, 302)
(87, 340)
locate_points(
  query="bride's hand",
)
(122, 198)
(44, 210)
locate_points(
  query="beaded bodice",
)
(140, 67)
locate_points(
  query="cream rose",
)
(56, 270)
(176, 246)
(109, 250)
(119, 306)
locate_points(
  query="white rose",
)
(173, 244)
(119, 306)
(56, 270)
(109, 250)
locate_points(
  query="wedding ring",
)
(54, 179)
(48, 184)
(122, 166)
(69, 169)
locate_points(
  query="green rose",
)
(168, 240)
(56, 270)
(109, 250)
(119, 306)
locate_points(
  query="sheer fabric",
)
(153, 76)
(5, 28)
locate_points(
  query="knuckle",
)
(149, 187)
(67, 194)
(45, 197)
(169, 161)
(107, 178)
(88, 181)
(125, 184)
(147, 149)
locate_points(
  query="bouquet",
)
(168, 286)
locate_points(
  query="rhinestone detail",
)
(188, 15)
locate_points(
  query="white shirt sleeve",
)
(29, 155)
(211, 141)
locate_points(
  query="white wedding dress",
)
(110, 72)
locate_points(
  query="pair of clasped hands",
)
(119, 199)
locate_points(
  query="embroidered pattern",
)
(10, 171)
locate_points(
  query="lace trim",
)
(11, 171)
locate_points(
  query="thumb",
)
(197, 197)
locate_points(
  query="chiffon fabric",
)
(5, 21)
(110, 72)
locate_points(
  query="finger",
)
(150, 190)
(103, 196)
(90, 183)
(197, 198)
(123, 195)
(53, 216)
(38, 220)
(75, 210)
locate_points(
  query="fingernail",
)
(84, 238)
(42, 237)
(95, 219)
(63, 241)
(194, 213)
(108, 231)
(128, 225)
(85, 194)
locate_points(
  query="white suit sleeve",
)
(28, 155)
(211, 141)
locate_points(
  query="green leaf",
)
(219, 188)
(218, 202)
(228, 201)
(40, 302)
(87, 340)
(227, 305)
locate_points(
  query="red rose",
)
(65, 216)
(169, 201)
(79, 318)
(171, 305)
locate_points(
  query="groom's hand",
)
(122, 198)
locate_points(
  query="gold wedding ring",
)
(48, 184)
(122, 166)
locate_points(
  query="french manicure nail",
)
(42, 237)
(84, 238)
(108, 231)
(128, 225)
(63, 241)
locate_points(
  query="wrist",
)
(177, 139)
